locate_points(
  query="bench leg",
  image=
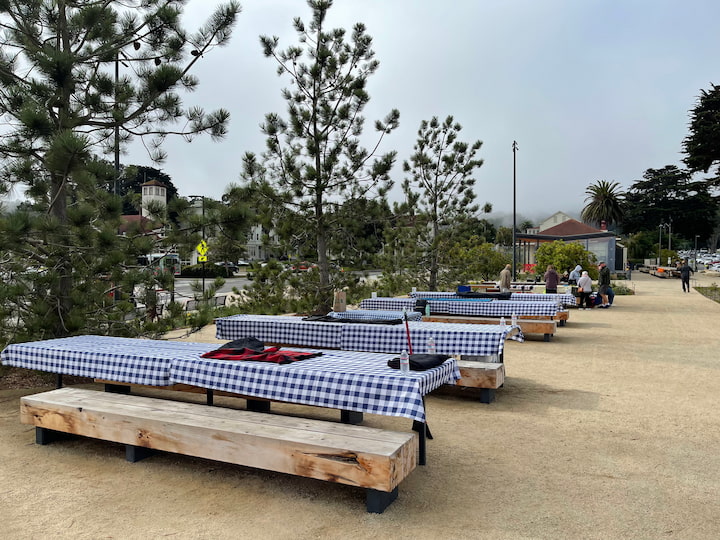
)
(487, 395)
(58, 380)
(351, 417)
(46, 436)
(258, 405)
(117, 388)
(209, 397)
(136, 453)
(547, 337)
(377, 501)
(562, 322)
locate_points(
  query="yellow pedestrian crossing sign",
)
(202, 258)
(202, 248)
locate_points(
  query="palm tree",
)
(604, 203)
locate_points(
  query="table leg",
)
(209, 396)
(421, 428)
(58, 380)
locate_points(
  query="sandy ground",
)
(609, 431)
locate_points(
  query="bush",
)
(621, 289)
(211, 271)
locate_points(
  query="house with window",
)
(601, 242)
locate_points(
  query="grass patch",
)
(712, 292)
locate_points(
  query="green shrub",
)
(211, 271)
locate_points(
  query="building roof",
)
(154, 183)
(136, 222)
(570, 227)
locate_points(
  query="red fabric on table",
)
(271, 354)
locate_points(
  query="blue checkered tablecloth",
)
(280, 329)
(494, 308)
(565, 299)
(132, 361)
(388, 303)
(360, 314)
(346, 380)
(450, 338)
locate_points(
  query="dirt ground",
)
(609, 431)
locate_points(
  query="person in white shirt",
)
(584, 289)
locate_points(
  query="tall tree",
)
(604, 203)
(670, 194)
(440, 186)
(62, 101)
(702, 146)
(315, 157)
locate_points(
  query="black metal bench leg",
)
(47, 436)
(117, 388)
(377, 501)
(547, 337)
(258, 405)
(209, 397)
(487, 395)
(136, 453)
(351, 417)
(58, 380)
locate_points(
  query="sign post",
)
(202, 249)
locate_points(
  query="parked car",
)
(231, 267)
(302, 266)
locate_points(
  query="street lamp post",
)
(660, 244)
(202, 199)
(514, 268)
(695, 253)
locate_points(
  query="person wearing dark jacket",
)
(552, 278)
(604, 284)
(685, 272)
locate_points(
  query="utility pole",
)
(514, 264)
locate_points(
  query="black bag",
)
(420, 362)
(248, 342)
(420, 304)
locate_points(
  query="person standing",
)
(685, 272)
(604, 284)
(575, 275)
(552, 278)
(505, 279)
(584, 289)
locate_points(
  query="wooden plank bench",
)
(528, 325)
(375, 459)
(487, 376)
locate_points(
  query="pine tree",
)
(440, 188)
(314, 157)
(63, 101)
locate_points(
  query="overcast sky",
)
(590, 89)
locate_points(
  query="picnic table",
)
(366, 314)
(463, 339)
(565, 299)
(480, 307)
(349, 381)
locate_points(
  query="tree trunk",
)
(58, 209)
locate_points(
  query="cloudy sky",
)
(590, 89)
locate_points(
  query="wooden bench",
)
(487, 376)
(375, 459)
(528, 325)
